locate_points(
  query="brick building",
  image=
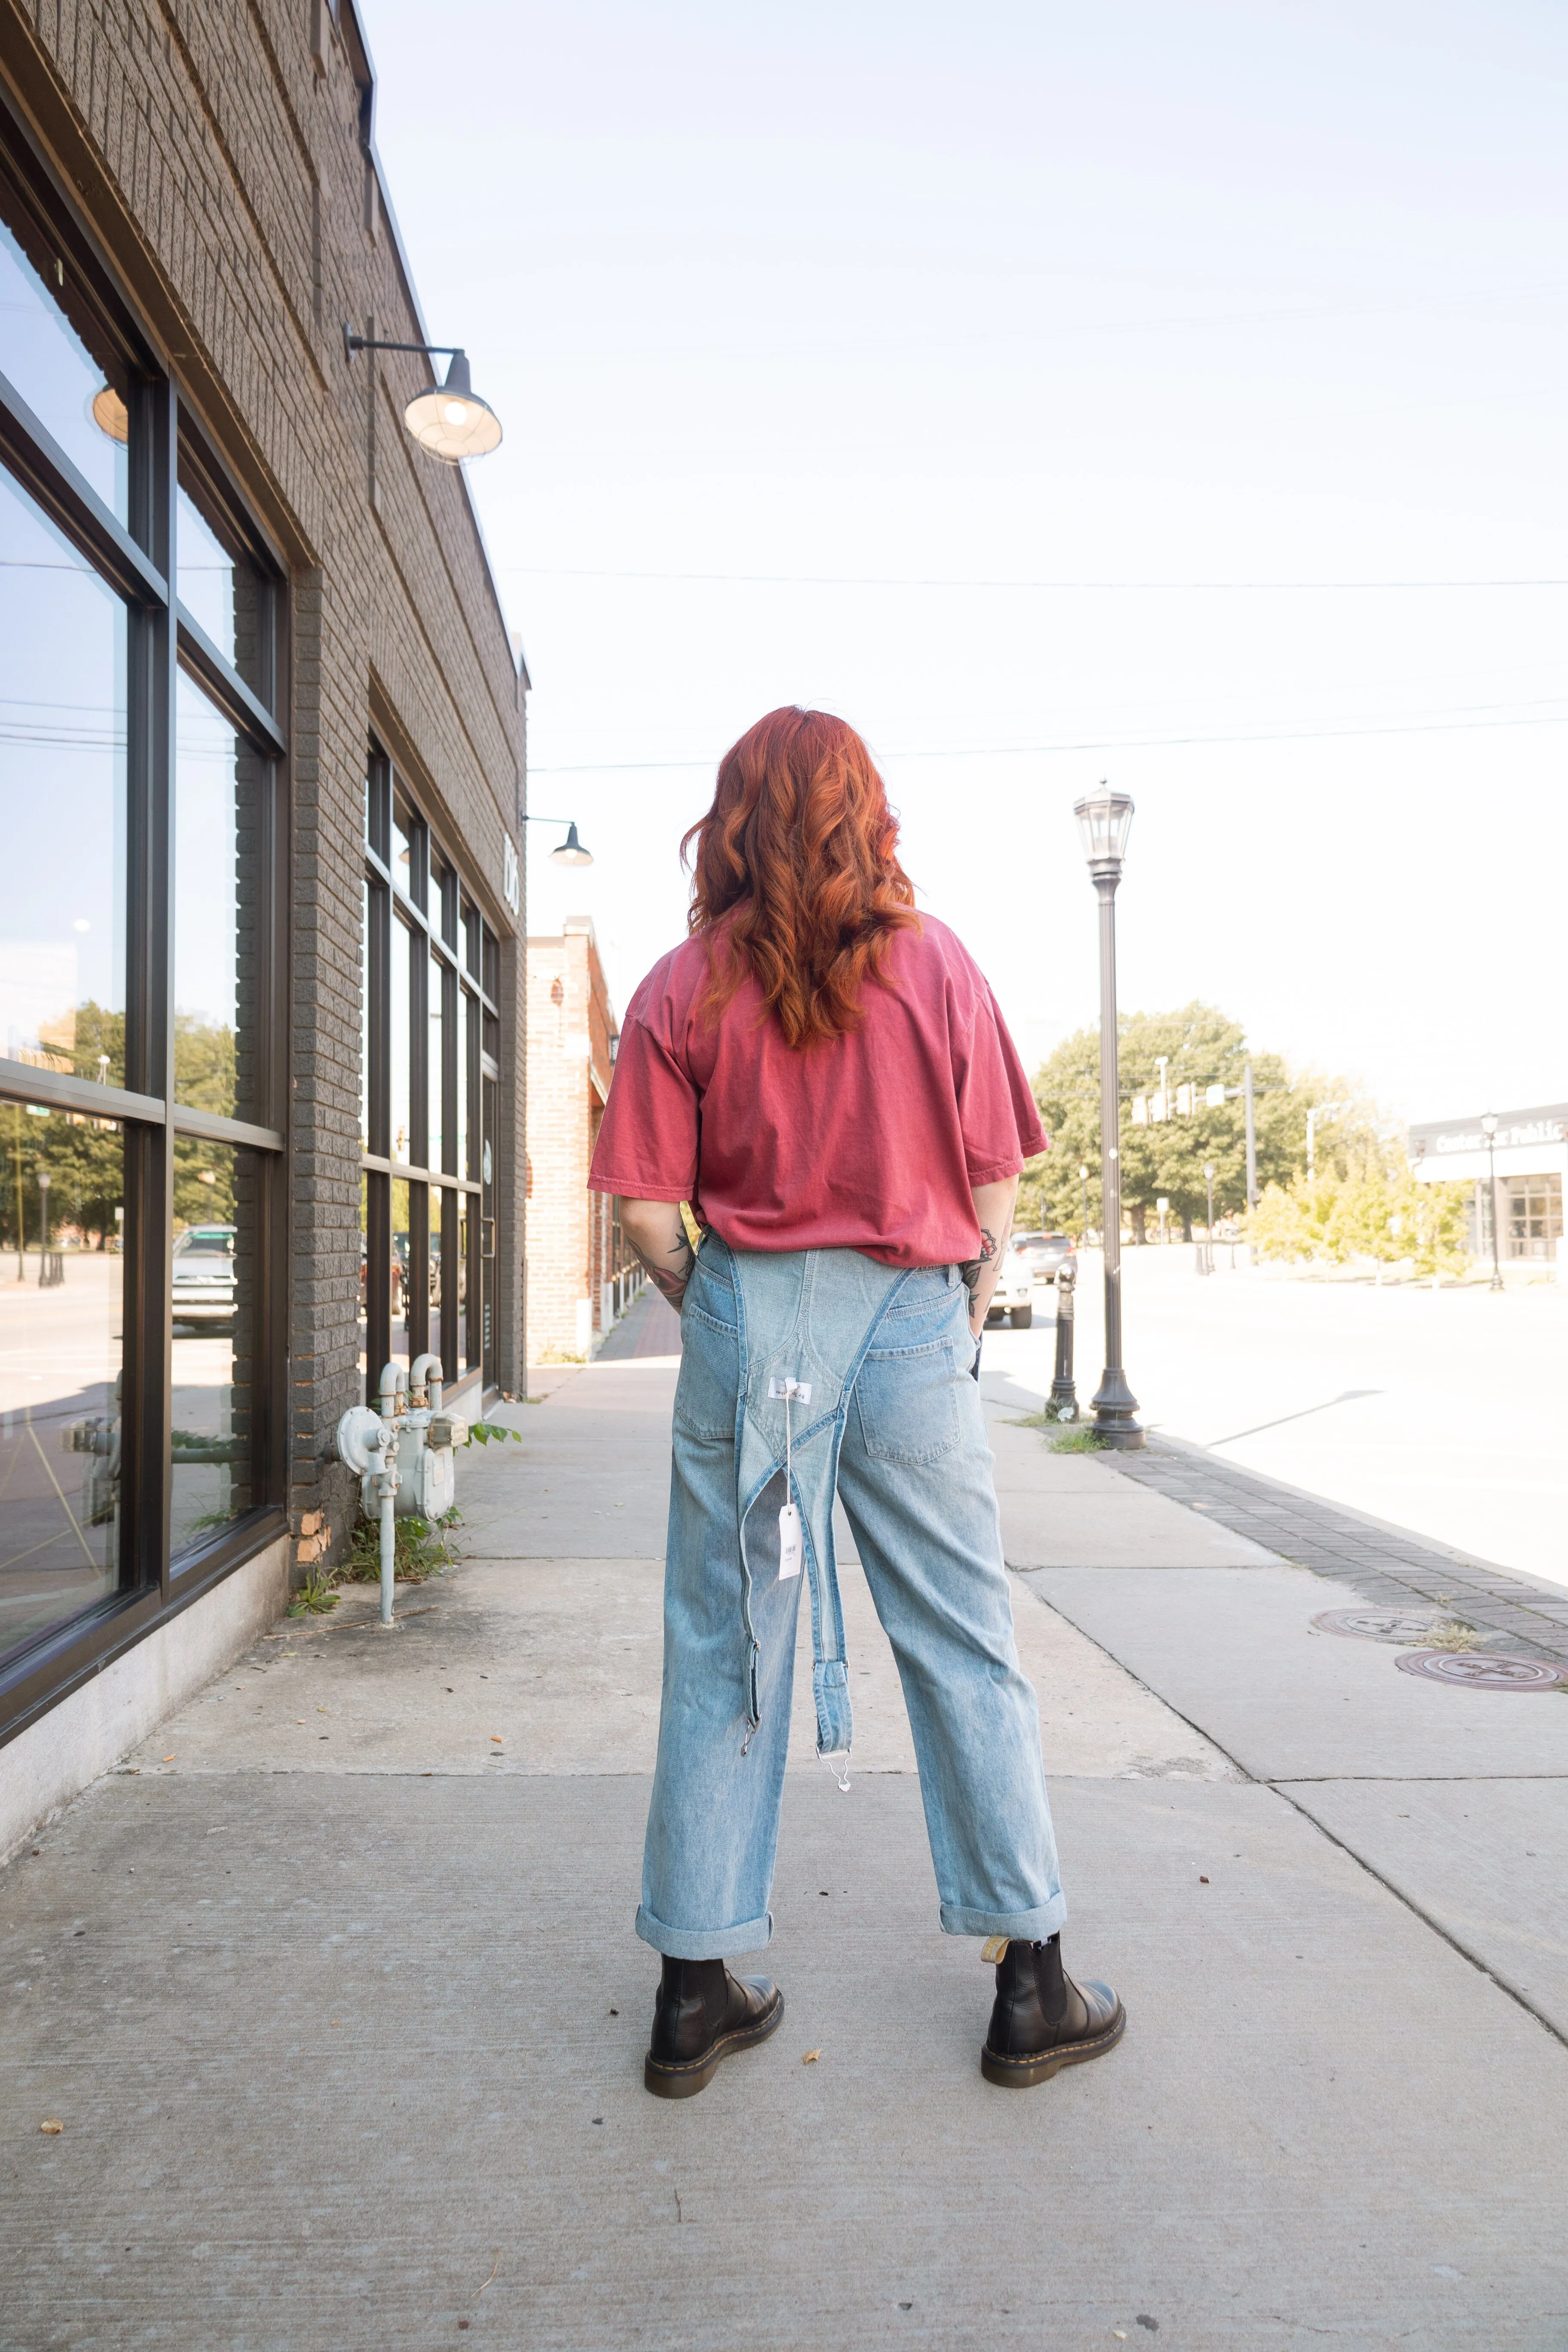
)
(260, 970)
(581, 1275)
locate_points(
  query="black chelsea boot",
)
(1042, 2021)
(700, 2014)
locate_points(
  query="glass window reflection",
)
(205, 577)
(220, 784)
(465, 1026)
(61, 1220)
(62, 803)
(216, 1301)
(83, 403)
(402, 986)
(401, 1285)
(401, 859)
(436, 1147)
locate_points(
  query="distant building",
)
(580, 1272)
(1530, 1157)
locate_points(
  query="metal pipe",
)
(387, 1481)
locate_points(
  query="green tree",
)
(1202, 1047)
(85, 1160)
(1378, 1213)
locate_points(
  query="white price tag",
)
(790, 1548)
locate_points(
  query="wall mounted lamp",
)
(569, 852)
(449, 420)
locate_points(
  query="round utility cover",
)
(1483, 1670)
(358, 1439)
(1380, 1625)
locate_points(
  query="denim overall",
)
(894, 1425)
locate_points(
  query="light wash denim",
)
(895, 1424)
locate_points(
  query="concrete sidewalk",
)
(390, 2091)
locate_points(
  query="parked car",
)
(204, 1274)
(1015, 1293)
(1046, 1253)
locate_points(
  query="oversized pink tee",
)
(871, 1142)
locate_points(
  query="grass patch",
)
(1064, 1436)
(1077, 1437)
(315, 1596)
(420, 1549)
(1452, 1634)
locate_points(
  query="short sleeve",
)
(646, 1149)
(996, 1109)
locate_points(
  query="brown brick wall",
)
(223, 170)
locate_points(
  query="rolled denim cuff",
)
(718, 1943)
(1026, 1927)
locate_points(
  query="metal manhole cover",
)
(1382, 1624)
(1482, 1670)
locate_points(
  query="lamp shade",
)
(1105, 820)
(572, 852)
(450, 420)
(1490, 1125)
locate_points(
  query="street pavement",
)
(390, 2093)
(1444, 1411)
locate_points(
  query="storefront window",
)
(1533, 1208)
(219, 786)
(424, 1022)
(62, 803)
(401, 991)
(62, 1193)
(435, 1066)
(143, 1397)
(214, 1299)
(79, 401)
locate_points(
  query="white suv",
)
(1015, 1293)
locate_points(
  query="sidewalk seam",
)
(1281, 1790)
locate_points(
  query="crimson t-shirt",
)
(870, 1141)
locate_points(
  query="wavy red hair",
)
(796, 877)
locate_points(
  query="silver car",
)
(1046, 1253)
(204, 1274)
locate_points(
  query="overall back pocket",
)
(907, 1399)
(707, 1394)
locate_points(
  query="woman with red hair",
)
(815, 1130)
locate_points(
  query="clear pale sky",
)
(1149, 306)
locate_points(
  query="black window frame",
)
(137, 559)
(450, 934)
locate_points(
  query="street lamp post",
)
(1208, 1179)
(1251, 1136)
(1488, 1129)
(1104, 820)
(44, 1228)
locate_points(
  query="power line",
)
(839, 580)
(1092, 743)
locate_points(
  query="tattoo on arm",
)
(671, 1271)
(972, 1268)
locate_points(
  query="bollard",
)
(1063, 1403)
